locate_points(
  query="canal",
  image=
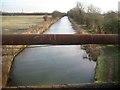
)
(48, 64)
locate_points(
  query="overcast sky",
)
(51, 5)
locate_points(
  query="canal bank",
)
(9, 52)
(108, 64)
(92, 50)
(53, 64)
(106, 57)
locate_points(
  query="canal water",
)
(48, 64)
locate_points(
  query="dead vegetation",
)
(92, 50)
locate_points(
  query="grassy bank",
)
(87, 30)
(108, 61)
(108, 64)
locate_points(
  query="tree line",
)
(92, 18)
(54, 13)
(15, 14)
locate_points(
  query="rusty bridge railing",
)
(59, 39)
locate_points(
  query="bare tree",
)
(91, 16)
(94, 18)
(81, 10)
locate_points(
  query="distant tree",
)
(56, 14)
(119, 23)
(98, 21)
(45, 18)
(94, 18)
(74, 13)
(78, 13)
(83, 15)
(81, 10)
(110, 24)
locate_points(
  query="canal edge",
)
(7, 79)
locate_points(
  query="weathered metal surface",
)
(59, 39)
(66, 86)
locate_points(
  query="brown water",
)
(48, 64)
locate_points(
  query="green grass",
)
(17, 24)
(109, 51)
(118, 78)
(106, 52)
(117, 66)
(102, 67)
(86, 29)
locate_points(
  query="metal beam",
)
(66, 86)
(59, 39)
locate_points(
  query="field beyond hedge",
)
(18, 24)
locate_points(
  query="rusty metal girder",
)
(66, 86)
(59, 39)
